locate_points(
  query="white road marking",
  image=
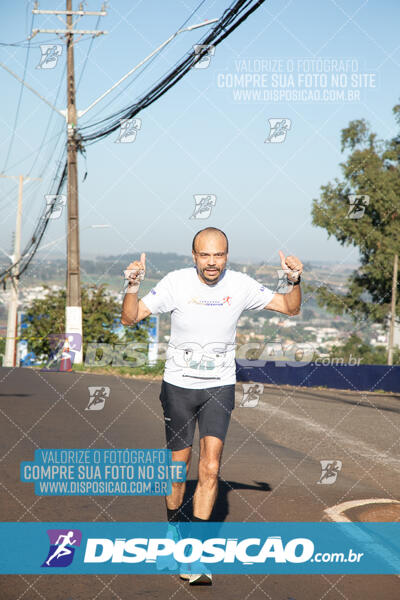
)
(357, 446)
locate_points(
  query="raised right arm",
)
(133, 310)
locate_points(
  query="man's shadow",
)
(221, 507)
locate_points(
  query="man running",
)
(205, 302)
(62, 550)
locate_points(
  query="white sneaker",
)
(185, 576)
(200, 574)
(185, 572)
(201, 579)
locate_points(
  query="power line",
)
(229, 21)
(232, 17)
(8, 198)
(22, 44)
(18, 106)
(49, 121)
(35, 151)
(39, 232)
(34, 242)
(144, 68)
(87, 54)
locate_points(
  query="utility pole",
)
(73, 312)
(393, 310)
(10, 356)
(73, 309)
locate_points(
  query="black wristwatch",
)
(297, 282)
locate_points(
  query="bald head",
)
(209, 234)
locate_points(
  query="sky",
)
(327, 63)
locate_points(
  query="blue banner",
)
(99, 472)
(248, 548)
(343, 377)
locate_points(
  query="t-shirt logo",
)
(206, 302)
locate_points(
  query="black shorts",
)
(182, 407)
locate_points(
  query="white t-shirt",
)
(201, 349)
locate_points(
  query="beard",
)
(212, 278)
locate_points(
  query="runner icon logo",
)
(50, 54)
(330, 470)
(63, 347)
(54, 205)
(207, 52)
(128, 130)
(251, 394)
(62, 547)
(358, 204)
(203, 205)
(97, 397)
(278, 129)
(282, 285)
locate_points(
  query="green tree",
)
(371, 169)
(356, 348)
(46, 316)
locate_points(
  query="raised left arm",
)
(290, 303)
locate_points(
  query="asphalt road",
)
(270, 472)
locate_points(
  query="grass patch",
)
(144, 371)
